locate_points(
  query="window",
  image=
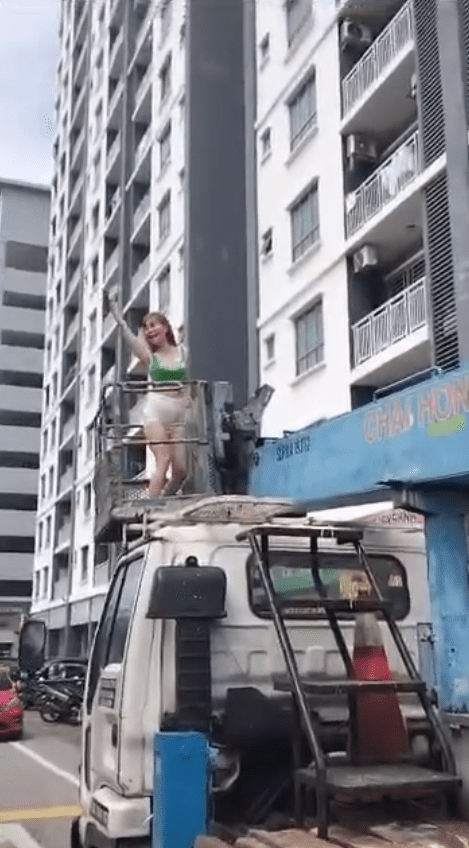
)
(298, 12)
(91, 383)
(165, 79)
(55, 382)
(164, 216)
(302, 109)
(305, 222)
(43, 486)
(53, 433)
(37, 584)
(266, 138)
(93, 326)
(26, 257)
(181, 258)
(267, 243)
(94, 272)
(164, 290)
(264, 49)
(85, 551)
(96, 171)
(309, 338)
(165, 146)
(123, 613)
(270, 347)
(182, 177)
(48, 353)
(45, 581)
(45, 439)
(89, 441)
(87, 498)
(95, 215)
(339, 573)
(47, 397)
(51, 482)
(165, 18)
(56, 340)
(124, 585)
(48, 530)
(98, 119)
(40, 534)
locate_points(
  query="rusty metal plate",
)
(294, 838)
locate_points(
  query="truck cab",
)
(157, 666)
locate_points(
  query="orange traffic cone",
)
(381, 736)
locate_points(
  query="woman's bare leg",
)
(178, 462)
(154, 433)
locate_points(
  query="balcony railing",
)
(115, 96)
(68, 429)
(112, 263)
(142, 147)
(64, 534)
(72, 329)
(143, 85)
(66, 479)
(141, 274)
(113, 204)
(393, 39)
(396, 319)
(78, 143)
(119, 40)
(383, 185)
(141, 210)
(113, 151)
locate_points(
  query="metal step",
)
(365, 783)
(346, 686)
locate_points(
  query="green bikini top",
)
(167, 374)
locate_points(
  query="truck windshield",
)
(341, 577)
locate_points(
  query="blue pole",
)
(181, 789)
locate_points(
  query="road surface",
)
(39, 777)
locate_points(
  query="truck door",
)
(101, 723)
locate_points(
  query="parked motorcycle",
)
(63, 702)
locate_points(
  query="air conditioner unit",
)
(413, 87)
(354, 35)
(361, 147)
(366, 257)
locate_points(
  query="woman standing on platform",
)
(164, 410)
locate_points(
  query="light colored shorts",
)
(166, 409)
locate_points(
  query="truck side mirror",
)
(32, 645)
(182, 592)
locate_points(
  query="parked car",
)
(62, 668)
(11, 710)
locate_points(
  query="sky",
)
(29, 53)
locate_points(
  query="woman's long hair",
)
(162, 319)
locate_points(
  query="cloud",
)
(29, 52)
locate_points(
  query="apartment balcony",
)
(69, 378)
(72, 285)
(72, 332)
(64, 535)
(112, 163)
(112, 216)
(79, 66)
(112, 265)
(77, 151)
(376, 93)
(75, 240)
(80, 18)
(383, 186)
(142, 109)
(394, 339)
(116, 55)
(78, 110)
(142, 161)
(142, 50)
(141, 275)
(109, 325)
(141, 219)
(66, 480)
(68, 431)
(116, 12)
(76, 196)
(114, 113)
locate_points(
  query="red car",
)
(11, 711)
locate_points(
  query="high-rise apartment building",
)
(24, 230)
(358, 287)
(148, 195)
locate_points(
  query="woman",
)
(164, 411)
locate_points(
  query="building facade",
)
(357, 245)
(135, 167)
(24, 231)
